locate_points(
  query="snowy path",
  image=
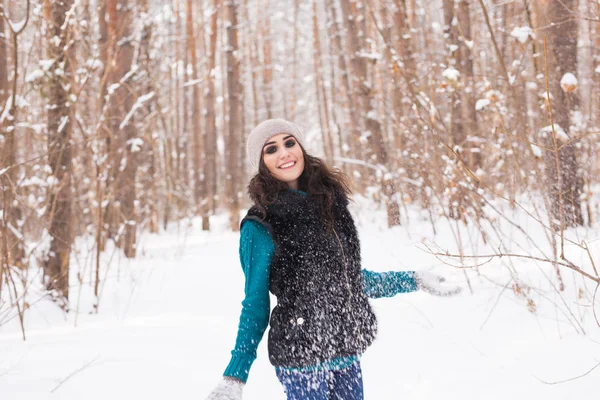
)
(167, 324)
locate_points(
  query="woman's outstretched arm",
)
(256, 250)
(388, 284)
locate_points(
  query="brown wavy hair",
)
(319, 181)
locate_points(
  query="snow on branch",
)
(6, 110)
(569, 83)
(522, 34)
(138, 104)
(17, 27)
(63, 122)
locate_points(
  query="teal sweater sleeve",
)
(256, 250)
(388, 284)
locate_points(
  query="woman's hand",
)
(228, 389)
(434, 284)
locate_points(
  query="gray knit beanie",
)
(263, 132)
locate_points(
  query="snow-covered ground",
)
(168, 320)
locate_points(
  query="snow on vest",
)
(322, 312)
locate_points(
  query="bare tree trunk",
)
(404, 118)
(11, 212)
(103, 46)
(4, 84)
(222, 159)
(334, 88)
(596, 71)
(126, 194)
(356, 37)
(411, 10)
(60, 117)
(196, 128)
(4, 246)
(457, 128)
(113, 143)
(3, 62)
(254, 57)
(521, 125)
(210, 137)
(402, 40)
(389, 88)
(251, 61)
(347, 100)
(235, 125)
(267, 64)
(322, 104)
(563, 174)
(473, 154)
(243, 37)
(457, 133)
(184, 151)
(351, 75)
(292, 102)
(203, 66)
(179, 99)
(121, 147)
(377, 147)
(150, 142)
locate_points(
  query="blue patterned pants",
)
(343, 384)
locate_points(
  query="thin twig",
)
(564, 144)
(496, 303)
(496, 48)
(585, 246)
(570, 379)
(84, 366)
(594, 305)
(567, 264)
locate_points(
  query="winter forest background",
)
(475, 121)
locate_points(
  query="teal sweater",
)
(256, 250)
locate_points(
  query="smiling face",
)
(284, 159)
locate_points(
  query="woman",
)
(299, 241)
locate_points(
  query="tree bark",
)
(473, 156)
(295, 33)
(150, 142)
(254, 61)
(3, 62)
(60, 117)
(11, 211)
(322, 104)
(210, 143)
(565, 183)
(122, 127)
(349, 146)
(404, 118)
(235, 126)
(355, 72)
(457, 134)
(267, 64)
(196, 128)
(127, 193)
(596, 70)
(377, 147)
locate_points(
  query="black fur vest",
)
(321, 312)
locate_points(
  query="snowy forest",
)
(477, 122)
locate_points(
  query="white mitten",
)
(228, 389)
(434, 284)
